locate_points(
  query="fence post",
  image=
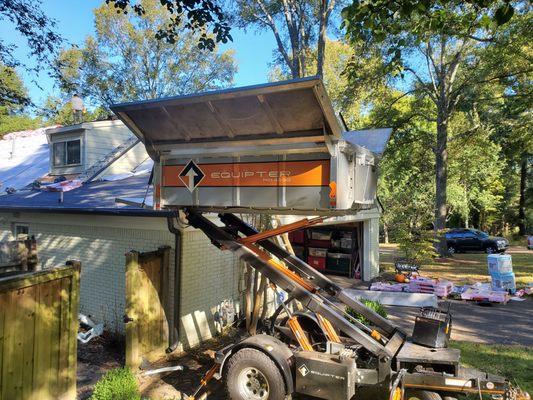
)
(130, 319)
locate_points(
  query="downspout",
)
(175, 337)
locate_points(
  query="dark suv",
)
(459, 240)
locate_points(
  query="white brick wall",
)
(209, 275)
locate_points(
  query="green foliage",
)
(59, 111)
(126, 60)
(117, 384)
(373, 305)
(205, 17)
(12, 90)
(41, 43)
(418, 246)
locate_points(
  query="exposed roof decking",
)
(283, 109)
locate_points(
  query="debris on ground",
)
(88, 329)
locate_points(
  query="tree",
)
(436, 43)
(204, 17)
(127, 61)
(42, 41)
(297, 26)
(12, 117)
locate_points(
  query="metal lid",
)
(295, 108)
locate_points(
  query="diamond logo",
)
(191, 175)
(303, 370)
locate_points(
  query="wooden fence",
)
(18, 255)
(146, 299)
(38, 334)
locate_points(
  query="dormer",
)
(75, 148)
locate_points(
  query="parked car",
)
(462, 240)
(530, 242)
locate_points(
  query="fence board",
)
(38, 329)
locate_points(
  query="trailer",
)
(280, 149)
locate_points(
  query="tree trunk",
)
(441, 182)
(385, 233)
(522, 201)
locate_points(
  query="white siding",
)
(129, 161)
(103, 137)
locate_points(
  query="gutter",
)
(131, 212)
(175, 332)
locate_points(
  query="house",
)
(87, 224)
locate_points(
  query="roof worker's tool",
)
(205, 380)
(280, 149)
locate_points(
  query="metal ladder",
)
(99, 166)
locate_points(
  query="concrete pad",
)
(396, 298)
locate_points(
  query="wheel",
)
(451, 250)
(490, 250)
(422, 395)
(252, 375)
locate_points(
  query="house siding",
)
(103, 137)
(100, 243)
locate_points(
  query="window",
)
(21, 230)
(67, 153)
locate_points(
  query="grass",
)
(512, 362)
(465, 267)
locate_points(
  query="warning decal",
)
(191, 175)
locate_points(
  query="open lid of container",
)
(287, 109)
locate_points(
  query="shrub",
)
(418, 246)
(373, 305)
(117, 384)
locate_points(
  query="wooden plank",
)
(74, 294)
(132, 289)
(28, 305)
(3, 306)
(64, 335)
(42, 345)
(12, 371)
(54, 335)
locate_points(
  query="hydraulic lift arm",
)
(318, 279)
(307, 290)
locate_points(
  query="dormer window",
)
(67, 153)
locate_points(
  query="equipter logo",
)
(191, 175)
(303, 370)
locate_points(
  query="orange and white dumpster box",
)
(276, 148)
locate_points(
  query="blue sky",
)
(75, 21)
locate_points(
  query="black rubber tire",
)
(253, 358)
(421, 395)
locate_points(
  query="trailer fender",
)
(274, 348)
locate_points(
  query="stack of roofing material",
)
(501, 272)
(481, 292)
(389, 287)
(439, 287)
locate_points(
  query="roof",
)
(83, 126)
(374, 140)
(95, 197)
(298, 107)
(24, 157)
